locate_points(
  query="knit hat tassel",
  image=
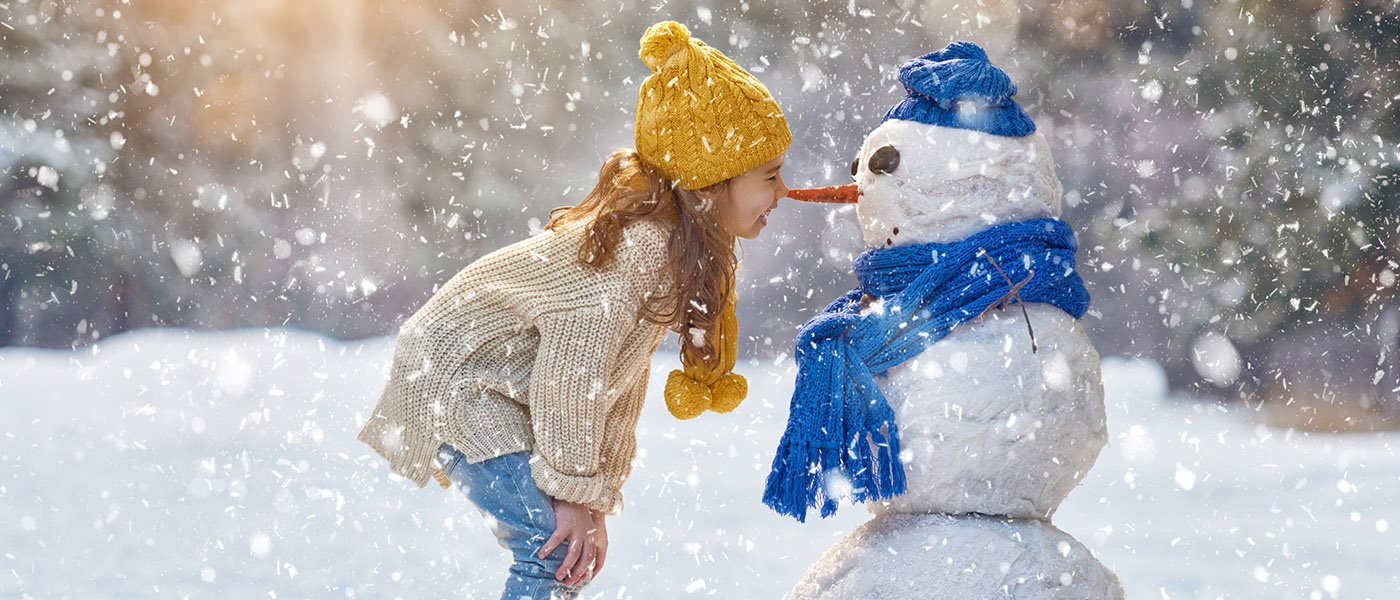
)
(696, 388)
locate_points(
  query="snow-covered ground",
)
(172, 463)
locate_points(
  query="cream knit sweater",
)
(527, 349)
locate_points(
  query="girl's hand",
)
(601, 540)
(573, 523)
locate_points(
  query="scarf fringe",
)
(800, 475)
(794, 483)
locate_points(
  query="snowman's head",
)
(957, 155)
(923, 183)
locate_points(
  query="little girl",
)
(521, 380)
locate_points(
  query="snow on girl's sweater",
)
(527, 349)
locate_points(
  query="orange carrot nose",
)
(836, 194)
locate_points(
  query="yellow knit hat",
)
(701, 119)
(696, 387)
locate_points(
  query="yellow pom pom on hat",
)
(701, 118)
(696, 388)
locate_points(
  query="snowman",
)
(955, 391)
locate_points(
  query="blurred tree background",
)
(1230, 165)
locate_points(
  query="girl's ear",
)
(713, 192)
(708, 194)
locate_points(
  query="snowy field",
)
(174, 463)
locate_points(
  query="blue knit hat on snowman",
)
(959, 87)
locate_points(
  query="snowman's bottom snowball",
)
(957, 558)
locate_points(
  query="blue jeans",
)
(519, 514)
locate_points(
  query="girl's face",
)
(742, 208)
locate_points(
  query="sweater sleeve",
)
(583, 447)
(569, 400)
(620, 443)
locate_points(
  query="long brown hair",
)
(700, 254)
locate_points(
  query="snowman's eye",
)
(884, 161)
(855, 166)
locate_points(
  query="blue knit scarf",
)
(839, 420)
